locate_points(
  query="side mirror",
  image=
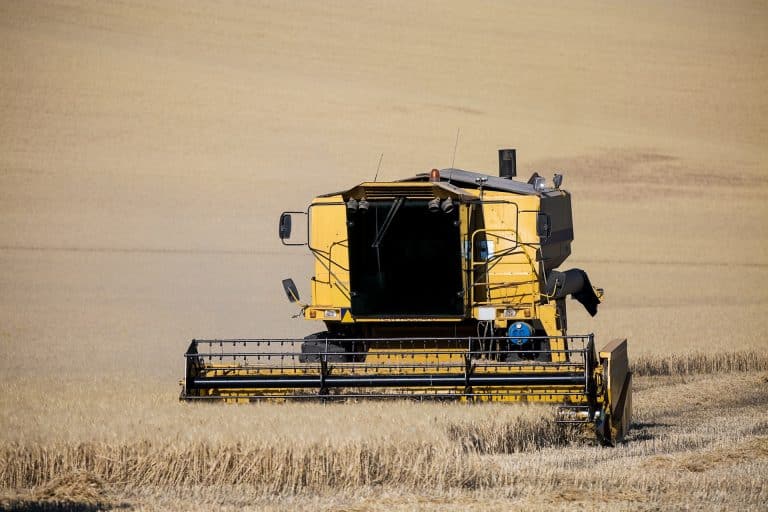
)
(284, 229)
(290, 289)
(285, 232)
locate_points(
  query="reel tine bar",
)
(471, 368)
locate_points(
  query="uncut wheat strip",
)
(701, 363)
(315, 467)
(281, 468)
(524, 433)
(544, 476)
(290, 467)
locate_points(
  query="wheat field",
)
(147, 149)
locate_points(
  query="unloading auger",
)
(440, 286)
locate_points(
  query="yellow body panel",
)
(327, 241)
(507, 276)
(503, 266)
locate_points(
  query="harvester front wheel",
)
(316, 344)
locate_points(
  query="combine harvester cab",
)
(440, 286)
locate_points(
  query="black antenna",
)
(378, 167)
(455, 145)
(453, 160)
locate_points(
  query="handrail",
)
(517, 249)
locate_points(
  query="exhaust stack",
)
(507, 163)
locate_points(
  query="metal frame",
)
(283, 240)
(327, 261)
(443, 368)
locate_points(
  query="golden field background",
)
(147, 149)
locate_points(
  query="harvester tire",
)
(314, 345)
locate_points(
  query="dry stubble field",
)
(147, 148)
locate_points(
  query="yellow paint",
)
(327, 241)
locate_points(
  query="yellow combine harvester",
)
(443, 286)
